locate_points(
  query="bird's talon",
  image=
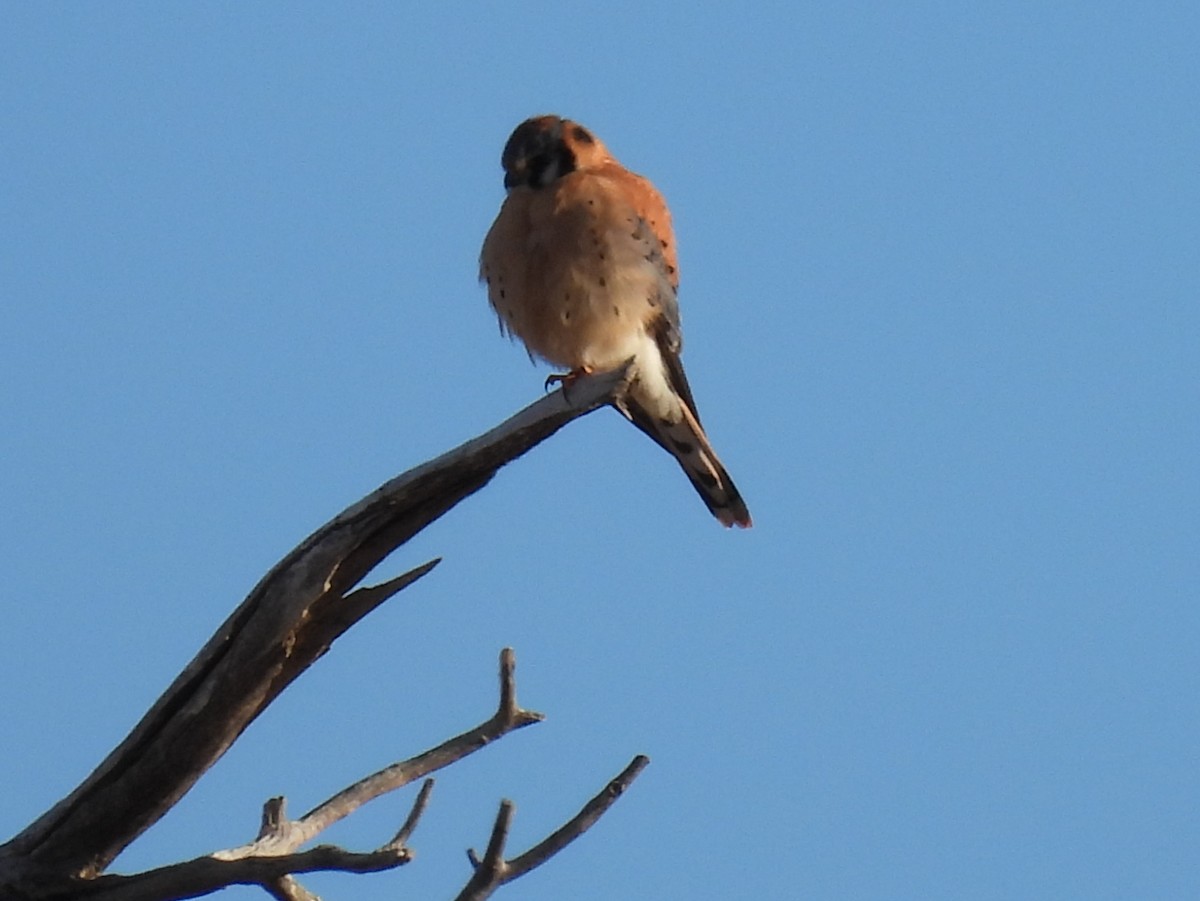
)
(566, 379)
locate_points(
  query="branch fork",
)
(292, 617)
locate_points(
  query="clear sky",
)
(940, 296)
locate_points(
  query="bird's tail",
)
(686, 442)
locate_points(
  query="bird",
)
(580, 265)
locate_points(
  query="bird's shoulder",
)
(610, 191)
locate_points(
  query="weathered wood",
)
(494, 870)
(286, 622)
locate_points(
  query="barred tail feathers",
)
(686, 442)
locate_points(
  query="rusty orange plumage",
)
(581, 265)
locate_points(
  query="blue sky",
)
(939, 289)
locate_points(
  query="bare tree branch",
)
(400, 839)
(508, 717)
(204, 875)
(288, 620)
(279, 837)
(274, 843)
(578, 824)
(493, 871)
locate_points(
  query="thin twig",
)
(578, 824)
(507, 718)
(493, 870)
(288, 888)
(400, 839)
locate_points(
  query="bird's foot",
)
(566, 379)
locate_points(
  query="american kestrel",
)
(580, 265)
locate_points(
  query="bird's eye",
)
(581, 134)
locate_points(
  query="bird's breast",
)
(574, 284)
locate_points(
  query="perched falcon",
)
(580, 265)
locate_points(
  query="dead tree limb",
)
(289, 619)
(493, 870)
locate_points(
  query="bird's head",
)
(546, 148)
